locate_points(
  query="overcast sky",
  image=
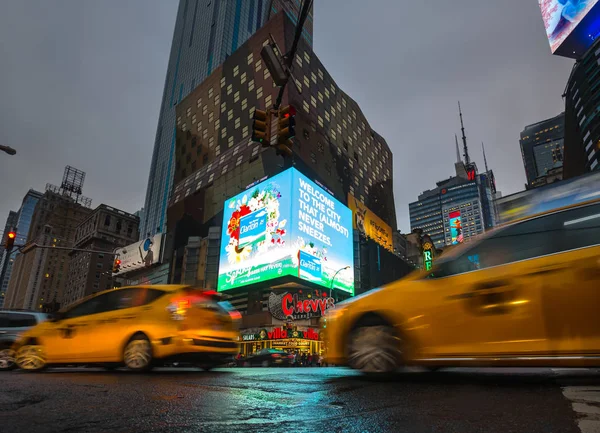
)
(81, 82)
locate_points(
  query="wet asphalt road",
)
(289, 400)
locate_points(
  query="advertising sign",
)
(561, 17)
(286, 226)
(370, 225)
(456, 234)
(141, 254)
(287, 306)
(281, 334)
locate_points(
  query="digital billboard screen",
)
(561, 17)
(286, 226)
(456, 234)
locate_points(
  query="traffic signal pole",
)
(289, 57)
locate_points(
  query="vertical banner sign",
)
(286, 226)
(427, 256)
(456, 232)
(370, 225)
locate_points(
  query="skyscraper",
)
(542, 147)
(21, 222)
(206, 33)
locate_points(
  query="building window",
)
(259, 92)
(210, 92)
(236, 96)
(244, 104)
(250, 58)
(236, 71)
(222, 82)
(107, 220)
(229, 89)
(251, 85)
(204, 109)
(257, 65)
(230, 141)
(245, 132)
(210, 117)
(243, 78)
(199, 103)
(237, 123)
(306, 106)
(320, 147)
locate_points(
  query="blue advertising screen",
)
(286, 226)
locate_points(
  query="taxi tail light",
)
(178, 308)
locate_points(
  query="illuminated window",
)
(237, 123)
(179, 121)
(211, 141)
(306, 106)
(230, 115)
(222, 82)
(244, 104)
(210, 92)
(188, 112)
(210, 117)
(194, 119)
(243, 78)
(224, 132)
(306, 81)
(236, 71)
(236, 96)
(313, 77)
(230, 141)
(313, 101)
(251, 85)
(306, 57)
(199, 103)
(223, 107)
(204, 134)
(257, 66)
(204, 109)
(245, 132)
(320, 96)
(268, 101)
(250, 58)
(259, 92)
(229, 89)
(266, 74)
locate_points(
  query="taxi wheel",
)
(374, 349)
(137, 355)
(7, 359)
(31, 357)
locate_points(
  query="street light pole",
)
(333, 279)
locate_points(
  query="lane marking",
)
(585, 401)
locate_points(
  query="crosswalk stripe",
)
(586, 404)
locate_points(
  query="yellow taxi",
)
(526, 294)
(138, 327)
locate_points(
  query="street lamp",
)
(335, 275)
(8, 150)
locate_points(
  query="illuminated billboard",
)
(370, 225)
(456, 233)
(571, 25)
(142, 254)
(286, 226)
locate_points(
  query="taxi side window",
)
(131, 298)
(521, 241)
(86, 308)
(581, 227)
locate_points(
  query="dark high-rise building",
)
(21, 222)
(40, 275)
(582, 120)
(11, 224)
(542, 148)
(105, 229)
(206, 34)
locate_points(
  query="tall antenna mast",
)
(457, 150)
(484, 159)
(464, 138)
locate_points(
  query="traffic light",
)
(260, 127)
(286, 129)
(10, 240)
(116, 265)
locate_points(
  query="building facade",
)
(105, 229)
(5, 256)
(542, 149)
(334, 147)
(40, 275)
(582, 120)
(458, 209)
(21, 223)
(206, 33)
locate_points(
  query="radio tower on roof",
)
(464, 138)
(484, 159)
(457, 150)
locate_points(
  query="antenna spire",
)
(484, 159)
(457, 149)
(464, 138)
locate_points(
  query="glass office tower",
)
(206, 33)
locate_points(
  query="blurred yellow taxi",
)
(526, 294)
(138, 327)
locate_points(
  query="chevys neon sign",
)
(287, 306)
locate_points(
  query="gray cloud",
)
(81, 83)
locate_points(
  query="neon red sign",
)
(291, 305)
